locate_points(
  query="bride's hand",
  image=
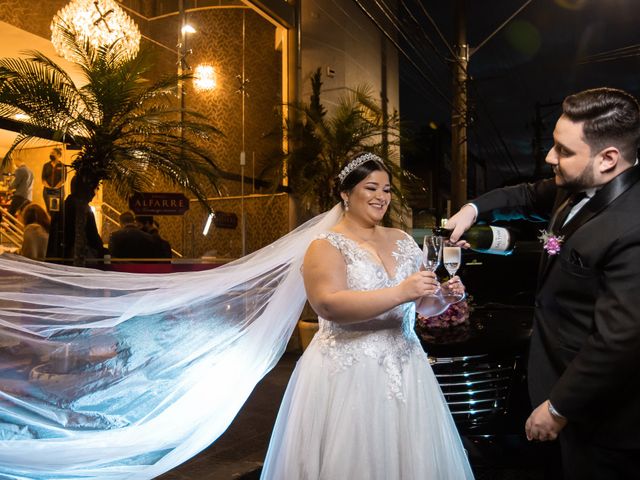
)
(454, 286)
(419, 284)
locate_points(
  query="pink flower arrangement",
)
(456, 314)
(550, 242)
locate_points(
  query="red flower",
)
(456, 314)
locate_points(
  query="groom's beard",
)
(584, 180)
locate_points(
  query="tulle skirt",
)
(336, 425)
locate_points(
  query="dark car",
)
(481, 364)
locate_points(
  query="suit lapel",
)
(599, 202)
(602, 199)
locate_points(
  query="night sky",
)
(545, 53)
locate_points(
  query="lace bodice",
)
(389, 337)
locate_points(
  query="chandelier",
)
(100, 22)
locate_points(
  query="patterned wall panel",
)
(265, 221)
(219, 42)
(22, 14)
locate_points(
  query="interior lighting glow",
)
(100, 22)
(204, 77)
(208, 224)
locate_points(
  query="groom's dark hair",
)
(611, 118)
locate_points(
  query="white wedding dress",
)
(363, 402)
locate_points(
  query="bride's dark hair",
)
(350, 177)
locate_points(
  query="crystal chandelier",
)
(101, 22)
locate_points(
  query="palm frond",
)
(129, 128)
(320, 143)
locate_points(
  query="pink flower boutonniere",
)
(550, 242)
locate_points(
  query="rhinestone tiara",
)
(355, 163)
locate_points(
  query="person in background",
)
(22, 187)
(162, 247)
(76, 210)
(53, 178)
(130, 241)
(584, 380)
(36, 232)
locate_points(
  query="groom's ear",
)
(609, 158)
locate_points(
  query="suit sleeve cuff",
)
(554, 412)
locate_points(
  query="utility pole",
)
(459, 112)
(462, 54)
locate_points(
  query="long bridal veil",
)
(123, 376)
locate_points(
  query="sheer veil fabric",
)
(124, 376)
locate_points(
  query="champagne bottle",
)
(484, 239)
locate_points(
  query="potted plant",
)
(126, 122)
(321, 142)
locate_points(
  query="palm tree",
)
(321, 144)
(128, 127)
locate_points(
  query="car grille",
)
(476, 388)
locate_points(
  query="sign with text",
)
(158, 203)
(225, 219)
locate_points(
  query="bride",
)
(125, 376)
(363, 401)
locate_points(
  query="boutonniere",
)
(550, 242)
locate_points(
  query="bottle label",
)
(500, 240)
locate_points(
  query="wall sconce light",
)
(207, 225)
(188, 29)
(204, 77)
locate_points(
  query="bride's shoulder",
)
(395, 234)
(324, 248)
(327, 240)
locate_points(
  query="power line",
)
(383, 8)
(402, 51)
(395, 22)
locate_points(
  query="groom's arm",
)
(530, 201)
(526, 201)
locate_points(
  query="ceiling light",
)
(100, 22)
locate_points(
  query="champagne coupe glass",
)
(452, 257)
(432, 252)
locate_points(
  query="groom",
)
(584, 361)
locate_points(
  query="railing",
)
(107, 215)
(11, 229)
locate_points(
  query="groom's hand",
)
(460, 223)
(542, 426)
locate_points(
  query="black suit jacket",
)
(585, 347)
(131, 242)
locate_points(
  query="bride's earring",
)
(346, 205)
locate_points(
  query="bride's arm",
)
(325, 280)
